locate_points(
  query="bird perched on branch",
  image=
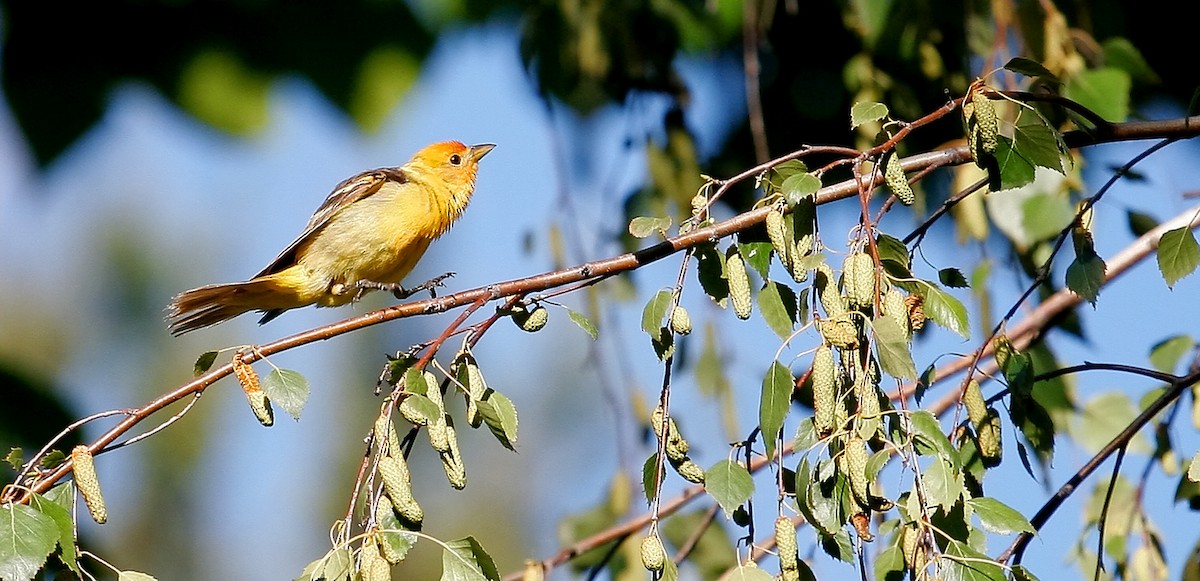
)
(367, 235)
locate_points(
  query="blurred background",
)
(148, 147)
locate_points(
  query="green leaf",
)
(1139, 222)
(777, 305)
(943, 483)
(729, 483)
(465, 560)
(1178, 255)
(806, 435)
(889, 564)
(1102, 418)
(945, 310)
(393, 533)
(758, 256)
(800, 186)
(204, 362)
(1165, 355)
(287, 388)
(26, 538)
(953, 278)
(337, 566)
(1085, 276)
(1031, 68)
(420, 406)
(645, 226)
(650, 476)
(710, 370)
(500, 415)
(776, 400)
(967, 564)
(710, 271)
(1104, 90)
(1015, 170)
(928, 432)
(134, 576)
(1045, 215)
(1037, 142)
(891, 345)
(746, 573)
(66, 527)
(866, 112)
(584, 323)
(1000, 518)
(894, 250)
(1121, 54)
(655, 311)
(15, 458)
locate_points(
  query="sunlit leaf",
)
(773, 406)
(943, 483)
(962, 563)
(777, 305)
(866, 112)
(134, 576)
(1178, 254)
(1165, 355)
(891, 345)
(66, 527)
(655, 311)
(646, 226)
(1104, 90)
(945, 310)
(465, 560)
(998, 517)
(729, 483)
(584, 323)
(289, 389)
(26, 538)
(799, 187)
(757, 255)
(500, 415)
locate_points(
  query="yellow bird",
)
(367, 235)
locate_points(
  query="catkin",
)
(824, 386)
(88, 483)
(739, 283)
(786, 546)
(854, 459)
(987, 126)
(398, 484)
(654, 556)
(893, 176)
(858, 279)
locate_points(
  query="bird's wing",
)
(348, 192)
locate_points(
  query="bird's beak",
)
(475, 152)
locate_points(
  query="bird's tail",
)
(212, 304)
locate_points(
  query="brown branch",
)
(1179, 128)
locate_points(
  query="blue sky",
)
(204, 207)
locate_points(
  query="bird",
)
(367, 235)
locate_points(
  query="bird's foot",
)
(399, 291)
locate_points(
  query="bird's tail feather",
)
(212, 304)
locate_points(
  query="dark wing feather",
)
(348, 192)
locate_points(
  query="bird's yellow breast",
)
(381, 237)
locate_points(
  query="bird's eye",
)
(456, 159)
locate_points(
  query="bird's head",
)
(451, 161)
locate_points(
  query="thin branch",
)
(1122, 439)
